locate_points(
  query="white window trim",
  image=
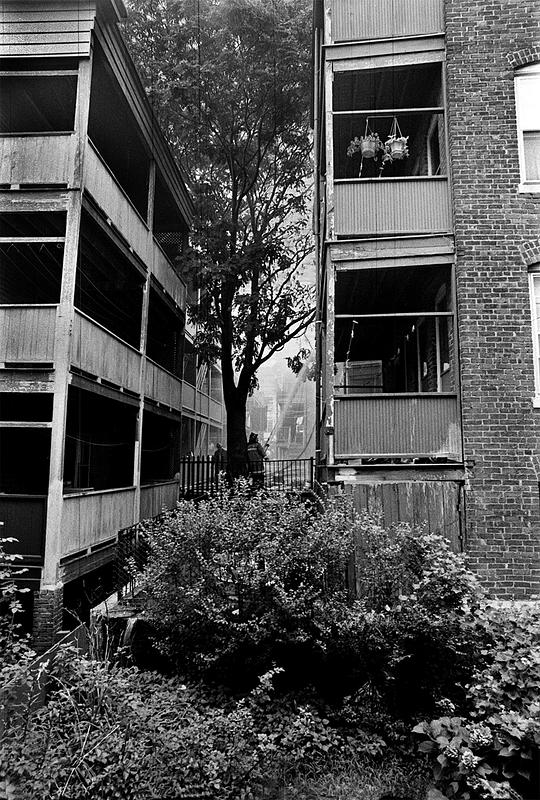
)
(535, 329)
(524, 73)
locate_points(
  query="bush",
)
(238, 584)
(110, 732)
(14, 643)
(492, 750)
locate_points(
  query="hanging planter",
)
(369, 145)
(396, 144)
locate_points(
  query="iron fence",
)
(201, 475)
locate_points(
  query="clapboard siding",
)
(46, 28)
(433, 504)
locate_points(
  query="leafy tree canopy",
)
(230, 83)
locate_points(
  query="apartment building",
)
(100, 390)
(427, 220)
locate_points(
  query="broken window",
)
(389, 122)
(24, 460)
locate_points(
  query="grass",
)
(366, 778)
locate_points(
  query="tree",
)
(230, 83)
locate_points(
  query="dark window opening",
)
(100, 442)
(30, 273)
(398, 349)
(34, 223)
(168, 224)
(190, 362)
(37, 104)
(165, 334)
(24, 407)
(24, 460)
(109, 288)
(388, 105)
(160, 448)
(112, 127)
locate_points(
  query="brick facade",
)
(48, 611)
(497, 234)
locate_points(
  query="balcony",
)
(356, 20)
(398, 426)
(375, 207)
(93, 517)
(99, 352)
(27, 333)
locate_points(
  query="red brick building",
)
(427, 123)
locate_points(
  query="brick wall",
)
(495, 226)
(48, 608)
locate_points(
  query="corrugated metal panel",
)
(435, 504)
(397, 425)
(353, 20)
(27, 333)
(53, 28)
(37, 159)
(392, 206)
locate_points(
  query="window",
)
(527, 85)
(534, 278)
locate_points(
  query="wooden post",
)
(64, 326)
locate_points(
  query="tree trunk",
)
(235, 405)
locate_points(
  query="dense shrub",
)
(14, 643)
(492, 748)
(109, 732)
(238, 584)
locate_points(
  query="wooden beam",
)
(32, 239)
(19, 424)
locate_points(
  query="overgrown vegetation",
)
(283, 682)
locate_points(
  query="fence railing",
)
(201, 475)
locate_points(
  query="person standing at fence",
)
(219, 457)
(256, 455)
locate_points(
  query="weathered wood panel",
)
(27, 333)
(188, 396)
(162, 386)
(24, 519)
(168, 278)
(215, 410)
(44, 28)
(434, 504)
(156, 498)
(354, 20)
(404, 425)
(101, 184)
(416, 205)
(38, 159)
(95, 517)
(99, 352)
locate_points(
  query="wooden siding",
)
(188, 395)
(162, 386)
(397, 425)
(46, 28)
(215, 410)
(101, 184)
(436, 504)
(415, 205)
(156, 498)
(37, 159)
(354, 20)
(92, 518)
(27, 333)
(99, 352)
(24, 519)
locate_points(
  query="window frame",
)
(527, 73)
(534, 275)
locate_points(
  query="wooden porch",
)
(27, 333)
